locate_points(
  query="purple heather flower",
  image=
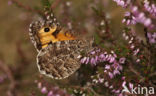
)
(130, 20)
(120, 67)
(101, 80)
(98, 50)
(120, 94)
(138, 60)
(96, 58)
(154, 35)
(122, 60)
(116, 72)
(132, 46)
(105, 71)
(106, 57)
(109, 57)
(127, 13)
(117, 91)
(44, 90)
(115, 65)
(124, 83)
(113, 90)
(130, 85)
(147, 22)
(101, 57)
(57, 95)
(107, 67)
(141, 17)
(50, 93)
(123, 3)
(112, 59)
(114, 55)
(136, 51)
(9, 2)
(151, 37)
(93, 52)
(39, 85)
(1, 79)
(111, 87)
(135, 9)
(87, 60)
(124, 20)
(93, 61)
(110, 75)
(137, 17)
(151, 8)
(83, 60)
(152, 41)
(123, 78)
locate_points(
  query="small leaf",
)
(97, 39)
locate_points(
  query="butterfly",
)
(59, 49)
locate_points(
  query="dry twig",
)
(8, 71)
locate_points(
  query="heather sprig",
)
(137, 14)
(123, 3)
(151, 37)
(109, 67)
(150, 6)
(50, 90)
(3, 78)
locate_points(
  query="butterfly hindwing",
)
(61, 59)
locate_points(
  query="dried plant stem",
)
(153, 74)
(8, 71)
(55, 4)
(30, 9)
(24, 59)
(137, 73)
(25, 7)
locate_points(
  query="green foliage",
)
(97, 39)
(46, 3)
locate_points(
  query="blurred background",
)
(17, 53)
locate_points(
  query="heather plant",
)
(121, 63)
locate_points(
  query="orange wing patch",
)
(52, 34)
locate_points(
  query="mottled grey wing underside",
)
(59, 60)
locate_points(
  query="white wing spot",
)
(30, 25)
(52, 15)
(30, 30)
(54, 19)
(48, 17)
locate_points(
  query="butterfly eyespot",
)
(46, 29)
